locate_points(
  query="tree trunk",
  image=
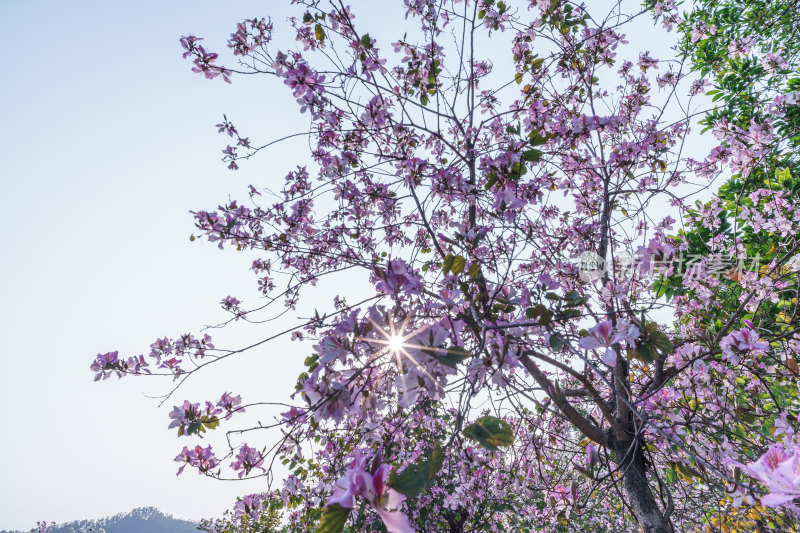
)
(632, 465)
(456, 525)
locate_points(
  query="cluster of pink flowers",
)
(250, 35)
(190, 417)
(201, 458)
(372, 487)
(398, 279)
(233, 305)
(109, 363)
(168, 354)
(249, 505)
(246, 460)
(740, 342)
(203, 60)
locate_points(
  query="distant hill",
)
(141, 520)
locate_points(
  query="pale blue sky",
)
(108, 142)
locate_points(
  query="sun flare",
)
(395, 343)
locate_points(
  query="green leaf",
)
(517, 170)
(458, 264)
(644, 354)
(556, 342)
(536, 139)
(417, 476)
(490, 432)
(491, 181)
(536, 310)
(474, 270)
(654, 345)
(546, 317)
(532, 155)
(454, 356)
(574, 299)
(661, 343)
(745, 416)
(319, 33)
(437, 459)
(447, 264)
(333, 519)
(366, 41)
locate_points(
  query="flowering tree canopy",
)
(512, 182)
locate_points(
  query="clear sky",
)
(107, 143)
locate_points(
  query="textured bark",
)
(631, 462)
(570, 413)
(456, 525)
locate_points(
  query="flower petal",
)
(774, 500)
(610, 357)
(396, 522)
(590, 343)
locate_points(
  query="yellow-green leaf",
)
(490, 432)
(333, 519)
(458, 264)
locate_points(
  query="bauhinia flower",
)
(201, 458)
(398, 279)
(250, 506)
(600, 337)
(779, 471)
(742, 341)
(374, 489)
(248, 459)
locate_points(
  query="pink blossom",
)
(109, 363)
(600, 337)
(330, 349)
(105, 364)
(294, 414)
(247, 459)
(201, 458)
(398, 279)
(230, 404)
(249, 506)
(374, 489)
(738, 342)
(592, 456)
(780, 472)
